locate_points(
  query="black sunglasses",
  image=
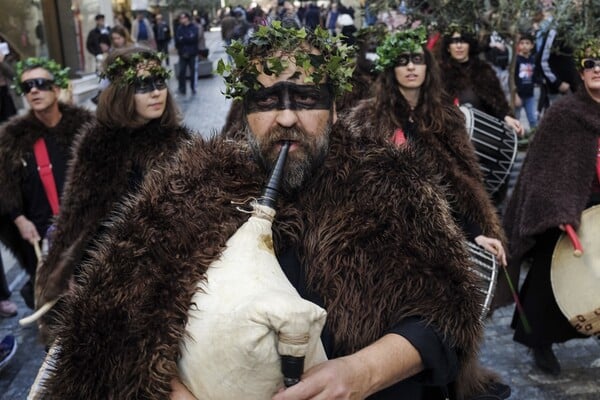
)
(39, 83)
(590, 63)
(415, 58)
(147, 84)
(458, 40)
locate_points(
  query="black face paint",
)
(289, 96)
(147, 84)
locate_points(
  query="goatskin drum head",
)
(576, 280)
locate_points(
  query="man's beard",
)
(301, 163)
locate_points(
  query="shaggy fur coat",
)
(104, 169)
(376, 239)
(480, 77)
(555, 181)
(449, 154)
(17, 137)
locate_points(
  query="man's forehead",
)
(36, 73)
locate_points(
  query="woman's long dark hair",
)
(435, 110)
(116, 106)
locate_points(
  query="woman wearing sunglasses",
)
(137, 129)
(558, 180)
(411, 112)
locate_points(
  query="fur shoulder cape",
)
(481, 78)
(99, 175)
(448, 154)
(17, 137)
(554, 184)
(366, 214)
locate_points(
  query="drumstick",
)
(38, 314)
(574, 240)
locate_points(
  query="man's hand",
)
(494, 246)
(27, 229)
(357, 376)
(337, 379)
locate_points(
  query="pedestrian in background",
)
(186, 42)
(525, 72)
(93, 40)
(142, 32)
(34, 153)
(7, 105)
(162, 33)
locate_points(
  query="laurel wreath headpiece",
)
(60, 75)
(398, 43)
(125, 69)
(274, 46)
(453, 27)
(589, 48)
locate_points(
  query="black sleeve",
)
(470, 228)
(439, 358)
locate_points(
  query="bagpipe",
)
(249, 332)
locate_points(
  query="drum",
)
(495, 145)
(485, 266)
(576, 280)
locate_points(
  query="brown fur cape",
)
(99, 175)
(481, 78)
(449, 153)
(375, 237)
(17, 137)
(554, 184)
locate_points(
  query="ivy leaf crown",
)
(589, 48)
(124, 70)
(398, 43)
(275, 46)
(60, 75)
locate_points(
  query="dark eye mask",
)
(289, 96)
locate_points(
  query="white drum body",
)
(495, 145)
(485, 267)
(243, 318)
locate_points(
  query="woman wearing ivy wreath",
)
(137, 129)
(471, 80)
(419, 117)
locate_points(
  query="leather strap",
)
(45, 170)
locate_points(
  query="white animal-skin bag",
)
(246, 316)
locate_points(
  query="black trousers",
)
(548, 324)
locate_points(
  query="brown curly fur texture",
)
(481, 78)
(448, 153)
(366, 213)
(17, 137)
(554, 184)
(99, 175)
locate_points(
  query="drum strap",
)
(46, 176)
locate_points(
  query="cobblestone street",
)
(205, 112)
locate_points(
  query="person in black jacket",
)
(162, 35)
(186, 41)
(94, 38)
